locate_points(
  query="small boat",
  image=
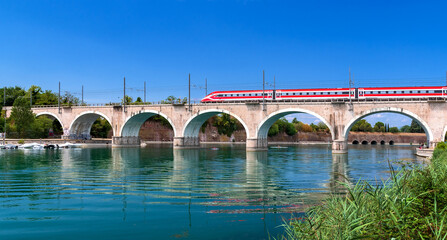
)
(70, 145)
(28, 145)
(10, 146)
(214, 148)
(50, 146)
(38, 146)
(278, 147)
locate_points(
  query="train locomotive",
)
(326, 94)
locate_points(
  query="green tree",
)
(379, 127)
(100, 128)
(394, 130)
(69, 99)
(274, 130)
(415, 127)
(12, 93)
(21, 115)
(34, 91)
(225, 124)
(362, 126)
(46, 98)
(405, 128)
(40, 128)
(290, 129)
(138, 101)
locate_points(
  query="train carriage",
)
(326, 94)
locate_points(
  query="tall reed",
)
(411, 204)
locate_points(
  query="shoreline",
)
(108, 142)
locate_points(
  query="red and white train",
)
(326, 94)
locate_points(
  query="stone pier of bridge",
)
(256, 118)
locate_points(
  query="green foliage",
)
(405, 129)
(274, 130)
(226, 124)
(379, 127)
(40, 128)
(415, 127)
(100, 128)
(46, 98)
(394, 130)
(138, 101)
(281, 126)
(69, 99)
(22, 115)
(362, 126)
(290, 129)
(162, 120)
(172, 99)
(412, 204)
(12, 93)
(21, 141)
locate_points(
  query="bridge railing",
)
(285, 101)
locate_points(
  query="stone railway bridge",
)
(256, 118)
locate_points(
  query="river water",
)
(217, 192)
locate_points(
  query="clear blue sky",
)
(305, 44)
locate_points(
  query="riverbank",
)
(410, 205)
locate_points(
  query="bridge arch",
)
(52, 116)
(132, 125)
(82, 124)
(192, 126)
(264, 126)
(419, 120)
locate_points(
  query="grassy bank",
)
(412, 204)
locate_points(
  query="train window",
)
(438, 91)
(321, 93)
(307, 93)
(411, 91)
(426, 91)
(335, 93)
(395, 91)
(403, 91)
(386, 91)
(378, 92)
(328, 93)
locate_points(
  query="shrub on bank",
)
(412, 204)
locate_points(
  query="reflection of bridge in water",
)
(256, 119)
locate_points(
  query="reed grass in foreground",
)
(410, 205)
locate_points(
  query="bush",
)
(412, 204)
(21, 141)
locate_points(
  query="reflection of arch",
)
(132, 125)
(421, 122)
(82, 124)
(52, 116)
(265, 125)
(193, 125)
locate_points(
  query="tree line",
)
(364, 126)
